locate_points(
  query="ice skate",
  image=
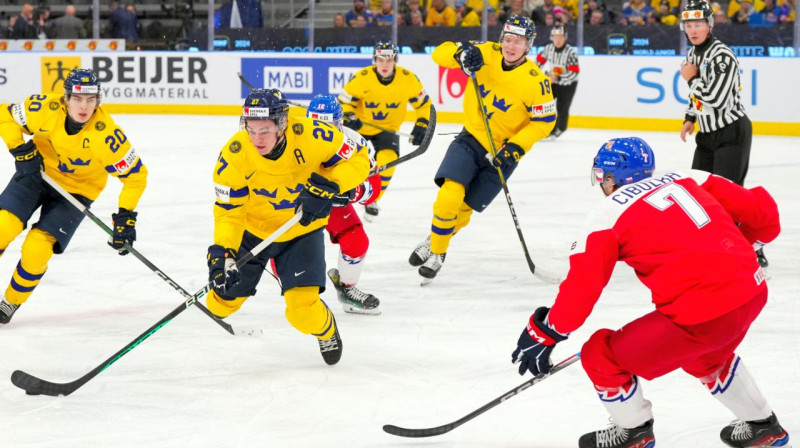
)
(755, 434)
(353, 299)
(421, 253)
(7, 311)
(431, 267)
(371, 211)
(762, 259)
(331, 348)
(617, 437)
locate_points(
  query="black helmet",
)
(697, 10)
(385, 50)
(558, 30)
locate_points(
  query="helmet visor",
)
(597, 176)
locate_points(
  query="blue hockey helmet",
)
(519, 26)
(266, 104)
(326, 108)
(82, 81)
(385, 50)
(629, 159)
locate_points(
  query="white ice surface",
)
(434, 355)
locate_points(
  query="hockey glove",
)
(222, 270)
(124, 226)
(469, 57)
(27, 160)
(507, 158)
(351, 121)
(344, 199)
(316, 198)
(418, 133)
(535, 344)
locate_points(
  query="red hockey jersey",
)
(679, 233)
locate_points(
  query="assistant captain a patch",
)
(235, 146)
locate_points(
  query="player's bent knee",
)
(450, 197)
(10, 228)
(37, 251)
(354, 242)
(306, 312)
(596, 358)
(222, 307)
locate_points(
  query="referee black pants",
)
(563, 96)
(726, 151)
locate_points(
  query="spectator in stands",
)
(416, 18)
(539, 13)
(664, 14)
(636, 13)
(491, 18)
(466, 16)
(752, 7)
(339, 21)
(742, 15)
(570, 6)
(122, 23)
(23, 27)
(561, 17)
(412, 6)
(773, 14)
(361, 22)
(359, 10)
(549, 19)
(385, 16)
(598, 17)
(10, 29)
(41, 15)
(131, 8)
(719, 15)
(514, 8)
(68, 26)
(440, 14)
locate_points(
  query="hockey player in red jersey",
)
(689, 237)
(344, 225)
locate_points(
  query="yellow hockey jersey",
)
(258, 194)
(384, 105)
(519, 102)
(80, 163)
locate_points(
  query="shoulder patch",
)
(297, 128)
(364, 72)
(53, 105)
(99, 126)
(406, 72)
(497, 47)
(534, 73)
(235, 146)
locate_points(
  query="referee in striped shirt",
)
(712, 72)
(563, 62)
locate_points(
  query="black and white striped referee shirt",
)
(714, 100)
(563, 61)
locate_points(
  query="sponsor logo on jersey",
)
(223, 192)
(543, 109)
(126, 162)
(347, 149)
(235, 146)
(18, 112)
(99, 126)
(297, 128)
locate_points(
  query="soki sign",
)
(289, 79)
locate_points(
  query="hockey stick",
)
(426, 141)
(36, 386)
(544, 276)
(439, 430)
(88, 213)
(294, 103)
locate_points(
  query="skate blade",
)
(355, 310)
(425, 281)
(369, 218)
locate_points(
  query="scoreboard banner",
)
(625, 92)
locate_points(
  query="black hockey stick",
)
(439, 430)
(36, 386)
(294, 103)
(544, 276)
(88, 213)
(426, 141)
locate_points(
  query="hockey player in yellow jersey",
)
(273, 165)
(78, 145)
(380, 94)
(520, 111)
